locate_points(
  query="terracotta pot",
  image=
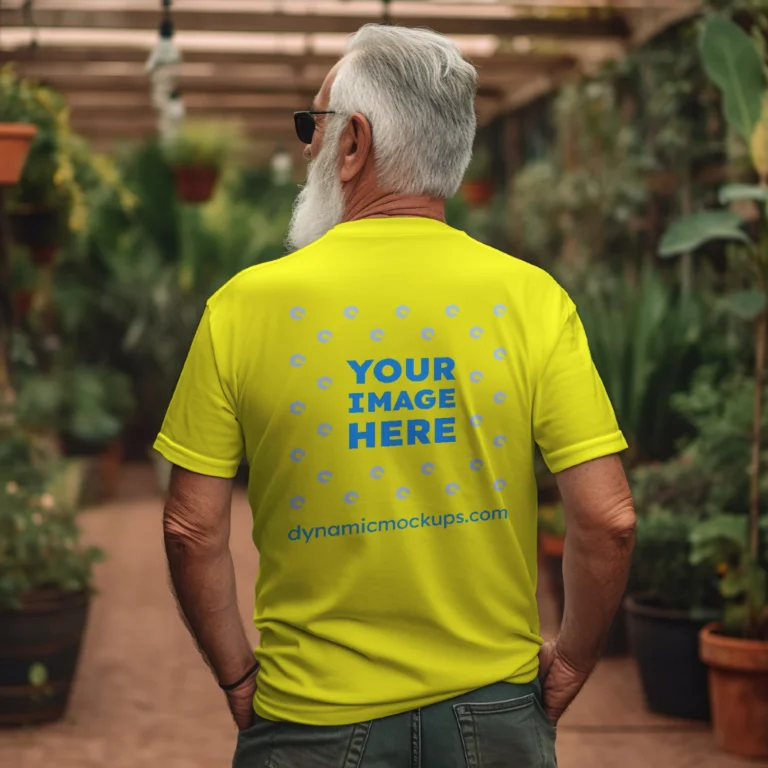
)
(551, 545)
(195, 183)
(39, 650)
(738, 690)
(15, 139)
(478, 191)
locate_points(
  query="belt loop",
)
(416, 738)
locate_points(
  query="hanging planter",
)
(738, 684)
(195, 184)
(38, 229)
(15, 139)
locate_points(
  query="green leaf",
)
(38, 675)
(746, 304)
(732, 193)
(732, 585)
(691, 232)
(732, 62)
(731, 529)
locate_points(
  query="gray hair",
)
(418, 93)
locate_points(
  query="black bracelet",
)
(232, 686)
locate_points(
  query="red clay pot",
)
(15, 139)
(477, 192)
(195, 183)
(738, 691)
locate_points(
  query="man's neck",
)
(390, 204)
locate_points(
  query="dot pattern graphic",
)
(476, 465)
(402, 311)
(476, 420)
(499, 397)
(298, 408)
(377, 334)
(499, 485)
(324, 430)
(298, 360)
(428, 468)
(500, 353)
(297, 313)
(324, 382)
(377, 473)
(499, 310)
(499, 441)
(297, 454)
(452, 489)
(428, 334)
(351, 497)
(476, 376)
(297, 502)
(324, 337)
(451, 310)
(402, 493)
(351, 313)
(324, 476)
(476, 332)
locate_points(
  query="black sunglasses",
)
(305, 124)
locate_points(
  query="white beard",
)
(319, 206)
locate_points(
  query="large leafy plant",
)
(645, 338)
(735, 62)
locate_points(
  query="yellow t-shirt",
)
(386, 385)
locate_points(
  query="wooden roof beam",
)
(221, 19)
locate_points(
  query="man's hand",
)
(240, 702)
(560, 681)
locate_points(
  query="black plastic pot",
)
(39, 648)
(36, 227)
(666, 646)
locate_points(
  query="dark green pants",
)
(500, 726)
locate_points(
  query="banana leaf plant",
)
(735, 62)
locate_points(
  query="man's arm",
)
(196, 525)
(600, 535)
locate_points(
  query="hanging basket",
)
(477, 192)
(195, 184)
(15, 139)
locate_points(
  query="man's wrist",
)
(247, 675)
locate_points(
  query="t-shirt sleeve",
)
(573, 420)
(200, 431)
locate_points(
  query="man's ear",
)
(356, 147)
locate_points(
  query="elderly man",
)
(387, 382)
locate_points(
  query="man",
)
(387, 382)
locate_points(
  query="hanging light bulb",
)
(164, 62)
(282, 166)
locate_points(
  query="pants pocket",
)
(514, 733)
(271, 744)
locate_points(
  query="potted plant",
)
(478, 187)
(668, 604)
(87, 407)
(45, 586)
(197, 155)
(736, 651)
(15, 138)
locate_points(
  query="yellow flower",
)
(11, 488)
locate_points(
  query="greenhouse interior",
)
(149, 155)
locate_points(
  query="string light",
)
(164, 65)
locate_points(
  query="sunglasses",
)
(306, 124)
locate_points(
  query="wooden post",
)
(6, 304)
